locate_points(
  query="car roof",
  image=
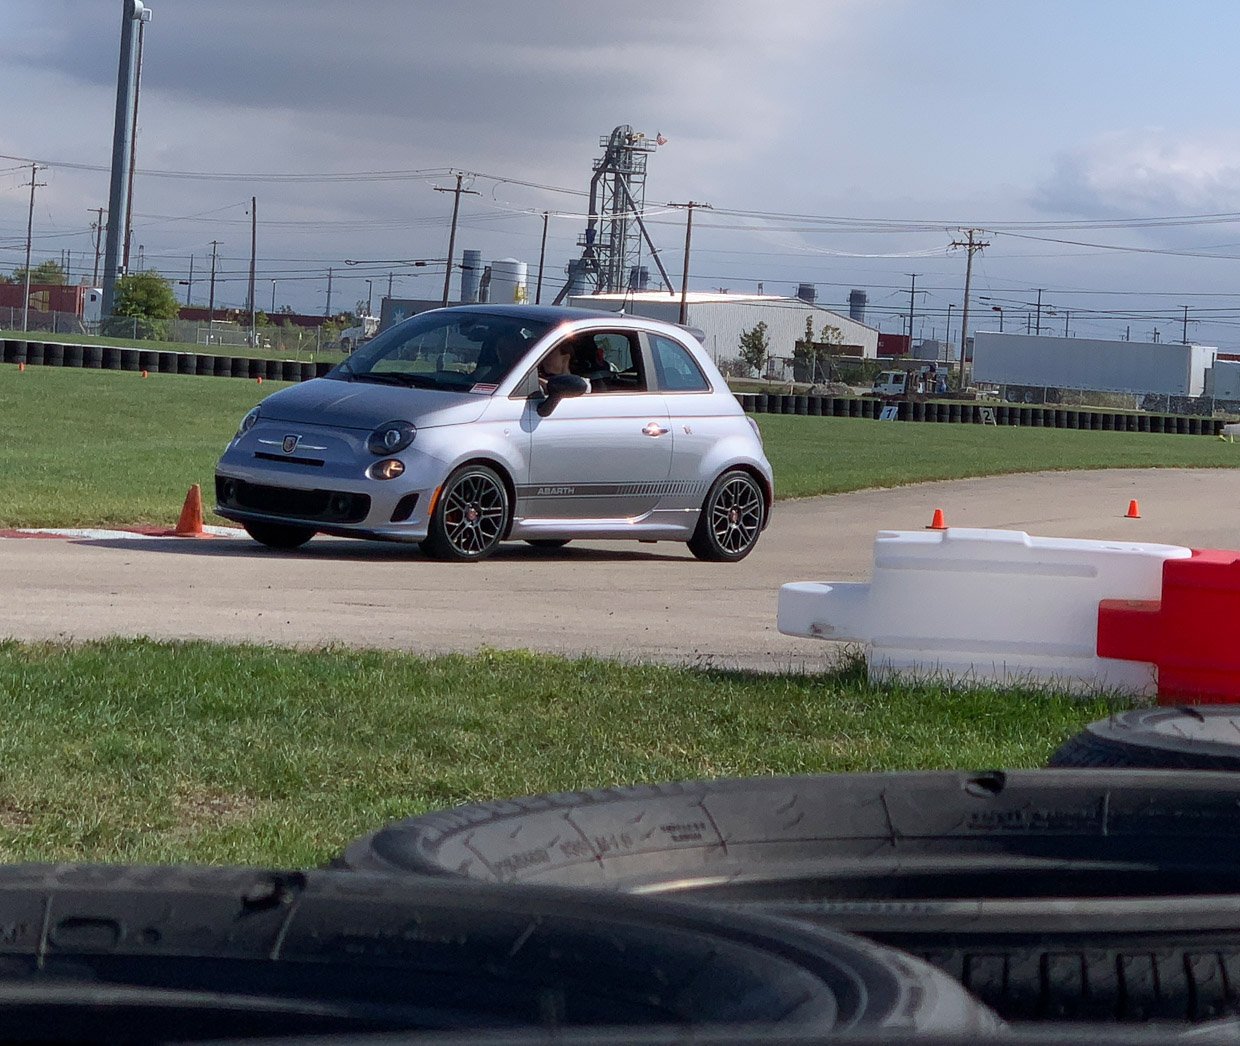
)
(546, 313)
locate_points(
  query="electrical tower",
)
(611, 244)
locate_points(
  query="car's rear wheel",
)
(471, 516)
(279, 535)
(731, 519)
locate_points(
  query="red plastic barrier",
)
(1192, 634)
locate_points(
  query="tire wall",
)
(162, 361)
(109, 357)
(970, 413)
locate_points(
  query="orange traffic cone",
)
(144, 374)
(938, 522)
(190, 523)
(260, 379)
(21, 366)
(1134, 510)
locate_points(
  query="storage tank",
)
(807, 292)
(639, 279)
(508, 282)
(578, 277)
(471, 273)
(856, 305)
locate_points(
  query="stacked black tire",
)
(1059, 895)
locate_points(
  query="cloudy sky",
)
(844, 143)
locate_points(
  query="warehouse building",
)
(723, 317)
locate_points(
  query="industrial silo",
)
(471, 273)
(508, 282)
(639, 279)
(807, 292)
(856, 305)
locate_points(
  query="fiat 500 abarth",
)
(464, 427)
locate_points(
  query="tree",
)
(811, 357)
(44, 272)
(753, 347)
(142, 305)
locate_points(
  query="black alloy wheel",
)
(279, 535)
(471, 516)
(731, 519)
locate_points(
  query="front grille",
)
(285, 459)
(328, 506)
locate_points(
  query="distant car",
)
(445, 430)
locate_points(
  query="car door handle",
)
(653, 428)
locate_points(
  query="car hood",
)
(359, 405)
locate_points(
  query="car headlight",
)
(247, 423)
(390, 437)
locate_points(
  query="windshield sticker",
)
(483, 389)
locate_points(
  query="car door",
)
(605, 455)
(695, 419)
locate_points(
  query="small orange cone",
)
(21, 366)
(938, 522)
(1134, 510)
(260, 379)
(144, 374)
(190, 523)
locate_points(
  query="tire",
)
(731, 519)
(283, 536)
(1049, 894)
(547, 542)
(1205, 737)
(206, 953)
(471, 516)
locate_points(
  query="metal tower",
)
(611, 244)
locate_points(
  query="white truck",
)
(365, 329)
(924, 380)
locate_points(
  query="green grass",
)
(131, 750)
(109, 448)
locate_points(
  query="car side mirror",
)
(559, 387)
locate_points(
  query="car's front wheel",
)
(471, 516)
(279, 535)
(731, 519)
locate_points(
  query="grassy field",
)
(129, 750)
(112, 448)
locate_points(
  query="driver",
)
(557, 361)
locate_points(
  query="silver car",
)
(464, 427)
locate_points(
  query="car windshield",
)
(446, 350)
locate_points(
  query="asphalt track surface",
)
(610, 599)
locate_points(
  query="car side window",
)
(611, 360)
(675, 368)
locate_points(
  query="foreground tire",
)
(279, 535)
(158, 954)
(731, 519)
(471, 516)
(1050, 894)
(1205, 737)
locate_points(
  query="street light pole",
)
(273, 298)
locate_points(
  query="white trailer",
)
(1086, 363)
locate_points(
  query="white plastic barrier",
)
(985, 606)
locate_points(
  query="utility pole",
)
(273, 298)
(144, 17)
(97, 228)
(542, 257)
(328, 311)
(1185, 339)
(134, 14)
(189, 284)
(912, 295)
(390, 285)
(34, 169)
(684, 279)
(972, 246)
(253, 251)
(211, 301)
(456, 207)
(1037, 326)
